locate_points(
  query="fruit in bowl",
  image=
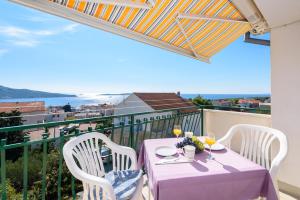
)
(194, 141)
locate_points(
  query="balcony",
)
(163, 25)
(39, 170)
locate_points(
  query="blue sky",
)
(43, 52)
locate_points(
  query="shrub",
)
(14, 170)
(15, 176)
(11, 191)
(12, 119)
(52, 179)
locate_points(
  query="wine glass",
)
(210, 140)
(177, 131)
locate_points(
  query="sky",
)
(43, 52)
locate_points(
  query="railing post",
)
(131, 130)
(202, 122)
(3, 169)
(44, 167)
(61, 144)
(73, 178)
(25, 166)
(112, 132)
(122, 133)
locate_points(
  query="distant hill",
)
(10, 93)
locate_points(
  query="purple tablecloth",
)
(228, 177)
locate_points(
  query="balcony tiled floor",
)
(146, 194)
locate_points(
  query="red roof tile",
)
(161, 101)
(23, 107)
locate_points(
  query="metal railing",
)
(129, 130)
(238, 109)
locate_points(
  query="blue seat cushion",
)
(124, 182)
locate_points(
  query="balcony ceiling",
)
(194, 28)
(279, 12)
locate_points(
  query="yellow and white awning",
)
(195, 28)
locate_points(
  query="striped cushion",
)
(124, 182)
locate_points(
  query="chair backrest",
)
(256, 142)
(84, 152)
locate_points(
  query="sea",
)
(116, 98)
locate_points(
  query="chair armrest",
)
(94, 181)
(130, 152)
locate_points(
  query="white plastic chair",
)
(85, 151)
(256, 146)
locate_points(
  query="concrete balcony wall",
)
(285, 62)
(218, 122)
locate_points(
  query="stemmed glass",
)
(177, 131)
(210, 140)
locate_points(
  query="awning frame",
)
(209, 18)
(201, 17)
(73, 15)
(105, 25)
(126, 3)
(200, 57)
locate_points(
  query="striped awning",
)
(196, 28)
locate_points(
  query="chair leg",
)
(149, 192)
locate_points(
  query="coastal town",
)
(36, 112)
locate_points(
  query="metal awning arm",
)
(209, 18)
(200, 57)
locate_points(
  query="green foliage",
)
(201, 101)
(104, 123)
(234, 101)
(15, 175)
(14, 170)
(12, 137)
(52, 179)
(11, 191)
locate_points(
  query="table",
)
(228, 177)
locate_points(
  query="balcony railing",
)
(43, 172)
(35, 169)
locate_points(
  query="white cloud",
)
(3, 51)
(44, 33)
(41, 18)
(13, 31)
(25, 43)
(70, 27)
(30, 38)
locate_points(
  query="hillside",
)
(10, 93)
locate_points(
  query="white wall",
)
(33, 117)
(285, 62)
(218, 122)
(133, 104)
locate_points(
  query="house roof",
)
(23, 107)
(251, 101)
(195, 28)
(161, 101)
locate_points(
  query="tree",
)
(104, 124)
(52, 177)
(67, 108)
(12, 119)
(199, 100)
